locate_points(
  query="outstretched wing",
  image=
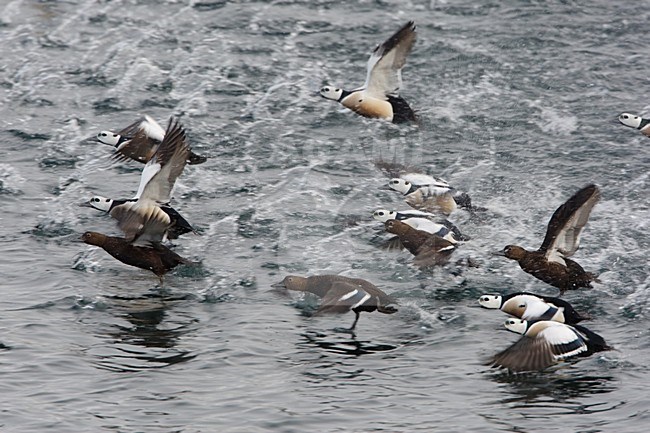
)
(526, 354)
(386, 62)
(159, 175)
(563, 233)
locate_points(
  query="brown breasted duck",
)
(428, 249)
(550, 263)
(154, 257)
(379, 96)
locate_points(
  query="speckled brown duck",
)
(156, 257)
(550, 263)
(429, 249)
(341, 294)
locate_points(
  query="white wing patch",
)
(361, 302)
(151, 169)
(534, 309)
(152, 129)
(418, 179)
(557, 333)
(349, 295)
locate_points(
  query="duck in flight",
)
(379, 96)
(156, 184)
(143, 220)
(340, 294)
(139, 141)
(551, 263)
(429, 249)
(544, 343)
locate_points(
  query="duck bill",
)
(497, 253)
(385, 188)
(279, 285)
(84, 204)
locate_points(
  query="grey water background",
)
(518, 102)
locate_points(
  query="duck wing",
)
(143, 222)
(147, 126)
(526, 354)
(142, 138)
(160, 173)
(386, 62)
(563, 233)
(343, 296)
(435, 251)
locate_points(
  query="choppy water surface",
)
(518, 102)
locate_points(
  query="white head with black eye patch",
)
(400, 185)
(516, 325)
(108, 137)
(630, 120)
(101, 203)
(330, 92)
(490, 301)
(384, 215)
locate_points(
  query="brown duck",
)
(550, 263)
(157, 258)
(340, 294)
(139, 141)
(429, 249)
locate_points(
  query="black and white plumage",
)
(423, 221)
(424, 192)
(636, 122)
(147, 218)
(545, 343)
(532, 307)
(379, 96)
(144, 217)
(179, 225)
(139, 141)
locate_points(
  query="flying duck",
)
(144, 222)
(544, 343)
(341, 294)
(423, 221)
(154, 257)
(155, 190)
(179, 225)
(430, 194)
(529, 306)
(139, 141)
(550, 263)
(379, 96)
(636, 122)
(428, 249)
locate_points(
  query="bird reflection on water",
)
(550, 393)
(150, 340)
(340, 344)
